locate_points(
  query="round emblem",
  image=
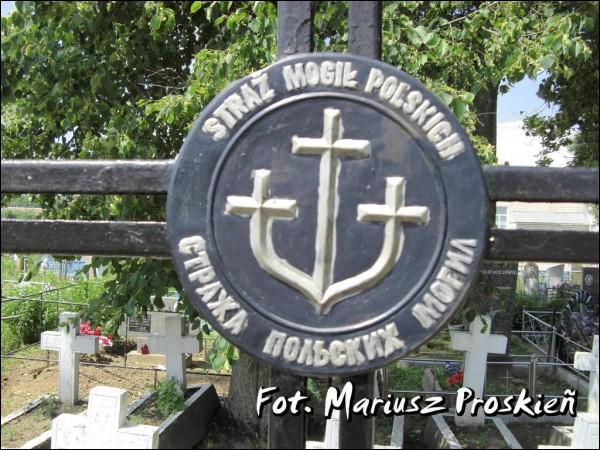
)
(327, 214)
(588, 280)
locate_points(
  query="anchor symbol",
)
(319, 287)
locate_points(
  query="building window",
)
(501, 217)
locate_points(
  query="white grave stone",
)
(477, 343)
(397, 440)
(332, 430)
(69, 344)
(174, 344)
(589, 361)
(531, 276)
(103, 426)
(140, 328)
(585, 431)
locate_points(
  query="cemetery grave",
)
(104, 424)
(530, 435)
(35, 422)
(484, 436)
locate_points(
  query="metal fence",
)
(539, 330)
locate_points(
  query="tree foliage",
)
(571, 87)
(126, 80)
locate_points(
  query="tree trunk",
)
(486, 105)
(247, 376)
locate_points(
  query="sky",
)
(513, 145)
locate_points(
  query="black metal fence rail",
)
(103, 238)
(526, 184)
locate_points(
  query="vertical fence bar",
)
(294, 28)
(358, 431)
(533, 376)
(294, 35)
(286, 431)
(125, 343)
(364, 39)
(364, 29)
(552, 348)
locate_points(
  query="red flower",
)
(456, 378)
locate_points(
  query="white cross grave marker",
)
(174, 344)
(103, 426)
(585, 431)
(332, 430)
(69, 344)
(477, 343)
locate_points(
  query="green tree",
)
(102, 80)
(571, 88)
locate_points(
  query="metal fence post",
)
(552, 349)
(532, 376)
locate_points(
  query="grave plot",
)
(182, 419)
(104, 425)
(485, 436)
(33, 420)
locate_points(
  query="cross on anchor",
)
(331, 147)
(319, 287)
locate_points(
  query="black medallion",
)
(327, 214)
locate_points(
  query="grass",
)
(544, 385)
(148, 414)
(485, 436)
(33, 317)
(405, 378)
(34, 351)
(22, 429)
(21, 213)
(518, 347)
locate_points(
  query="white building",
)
(517, 149)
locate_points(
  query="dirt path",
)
(24, 381)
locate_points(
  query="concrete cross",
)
(394, 206)
(477, 343)
(332, 430)
(586, 431)
(69, 344)
(332, 434)
(589, 361)
(174, 344)
(103, 426)
(278, 208)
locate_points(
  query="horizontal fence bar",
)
(86, 177)
(70, 237)
(64, 237)
(542, 184)
(543, 245)
(528, 184)
(112, 366)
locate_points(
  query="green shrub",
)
(405, 378)
(170, 397)
(49, 407)
(34, 316)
